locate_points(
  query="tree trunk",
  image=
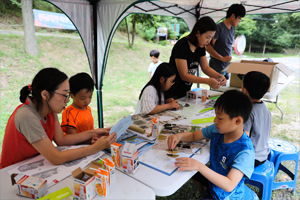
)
(29, 29)
(133, 31)
(250, 48)
(264, 48)
(127, 28)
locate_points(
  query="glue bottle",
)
(155, 128)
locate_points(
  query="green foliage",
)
(246, 27)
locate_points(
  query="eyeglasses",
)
(172, 82)
(240, 18)
(66, 96)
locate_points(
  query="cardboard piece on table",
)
(271, 69)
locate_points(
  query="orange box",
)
(204, 95)
(102, 182)
(110, 167)
(116, 154)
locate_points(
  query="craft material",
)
(84, 188)
(102, 182)
(144, 121)
(116, 150)
(29, 186)
(155, 127)
(130, 158)
(215, 95)
(172, 151)
(191, 95)
(137, 129)
(61, 194)
(121, 126)
(204, 95)
(172, 155)
(203, 120)
(110, 167)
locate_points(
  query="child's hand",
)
(173, 140)
(99, 132)
(174, 104)
(187, 164)
(94, 139)
(213, 83)
(169, 100)
(104, 142)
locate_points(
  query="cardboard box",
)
(29, 186)
(116, 154)
(271, 69)
(110, 167)
(191, 95)
(130, 158)
(84, 181)
(102, 182)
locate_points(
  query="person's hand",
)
(169, 100)
(222, 80)
(187, 164)
(173, 140)
(104, 142)
(174, 104)
(213, 83)
(99, 132)
(226, 58)
(94, 139)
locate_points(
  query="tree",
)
(247, 28)
(29, 29)
(147, 21)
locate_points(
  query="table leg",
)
(278, 106)
(276, 103)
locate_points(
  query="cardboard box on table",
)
(85, 189)
(29, 186)
(271, 69)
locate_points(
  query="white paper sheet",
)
(40, 167)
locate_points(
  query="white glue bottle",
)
(155, 127)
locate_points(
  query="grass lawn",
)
(125, 75)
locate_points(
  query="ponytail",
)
(24, 92)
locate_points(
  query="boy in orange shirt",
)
(77, 117)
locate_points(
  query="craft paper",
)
(121, 126)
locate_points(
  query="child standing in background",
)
(77, 117)
(154, 56)
(255, 85)
(152, 97)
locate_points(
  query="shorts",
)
(200, 178)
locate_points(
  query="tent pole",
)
(98, 85)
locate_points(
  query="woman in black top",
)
(188, 53)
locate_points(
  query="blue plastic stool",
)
(283, 151)
(263, 177)
(249, 194)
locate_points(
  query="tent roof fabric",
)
(97, 20)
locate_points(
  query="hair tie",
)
(29, 87)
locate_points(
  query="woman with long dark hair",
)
(188, 53)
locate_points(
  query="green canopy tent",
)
(97, 21)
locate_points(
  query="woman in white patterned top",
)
(152, 97)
